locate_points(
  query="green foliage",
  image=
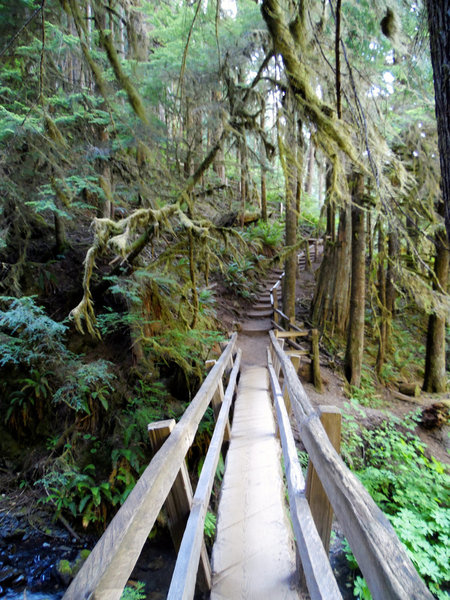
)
(268, 233)
(29, 335)
(366, 394)
(188, 349)
(137, 592)
(410, 488)
(238, 276)
(210, 525)
(85, 385)
(80, 492)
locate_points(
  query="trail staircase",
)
(266, 548)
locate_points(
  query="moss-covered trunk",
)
(355, 337)
(435, 371)
(330, 305)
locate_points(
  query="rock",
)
(8, 575)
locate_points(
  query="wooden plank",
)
(295, 360)
(274, 302)
(179, 501)
(382, 558)
(105, 572)
(291, 334)
(299, 353)
(321, 509)
(319, 576)
(216, 402)
(317, 378)
(182, 586)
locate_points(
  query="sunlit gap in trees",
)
(229, 7)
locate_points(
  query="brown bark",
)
(355, 338)
(435, 372)
(263, 170)
(291, 180)
(330, 306)
(331, 211)
(310, 168)
(60, 234)
(244, 183)
(137, 31)
(439, 27)
(391, 292)
(215, 133)
(382, 336)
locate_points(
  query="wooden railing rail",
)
(317, 570)
(381, 557)
(184, 576)
(107, 569)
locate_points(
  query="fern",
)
(29, 334)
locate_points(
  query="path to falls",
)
(254, 554)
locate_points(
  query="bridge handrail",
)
(381, 557)
(184, 575)
(105, 573)
(319, 576)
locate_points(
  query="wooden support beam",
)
(179, 501)
(216, 402)
(314, 561)
(274, 299)
(182, 586)
(299, 353)
(291, 334)
(295, 360)
(321, 509)
(317, 379)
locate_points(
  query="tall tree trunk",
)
(391, 290)
(188, 161)
(310, 168)
(439, 27)
(289, 149)
(382, 337)
(60, 234)
(330, 208)
(137, 31)
(216, 132)
(435, 372)
(330, 306)
(244, 183)
(355, 338)
(263, 169)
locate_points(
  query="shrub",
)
(413, 491)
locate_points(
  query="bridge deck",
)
(254, 554)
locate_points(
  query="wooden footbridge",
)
(273, 527)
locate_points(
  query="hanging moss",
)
(124, 81)
(53, 132)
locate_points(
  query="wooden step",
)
(259, 314)
(250, 327)
(261, 306)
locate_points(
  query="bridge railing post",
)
(179, 501)
(321, 509)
